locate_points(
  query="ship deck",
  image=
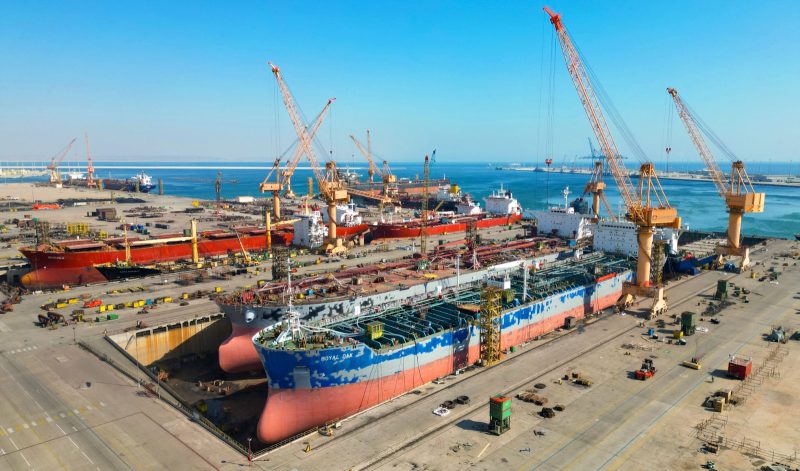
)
(406, 323)
(385, 277)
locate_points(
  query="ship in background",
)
(323, 371)
(501, 209)
(139, 183)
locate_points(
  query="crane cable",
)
(608, 105)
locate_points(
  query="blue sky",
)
(188, 80)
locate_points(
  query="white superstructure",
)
(346, 215)
(501, 202)
(309, 231)
(467, 207)
(562, 222)
(619, 237)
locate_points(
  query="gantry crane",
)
(736, 190)
(283, 178)
(55, 161)
(647, 206)
(89, 166)
(332, 190)
(385, 174)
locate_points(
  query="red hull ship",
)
(72, 262)
(446, 226)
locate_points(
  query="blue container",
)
(651, 331)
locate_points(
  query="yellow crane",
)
(385, 174)
(332, 190)
(55, 161)
(367, 153)
(647, 205)
(283, 178)
(737, 191)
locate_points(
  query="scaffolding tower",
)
(472, 242)
(280, 268)
(490, 325)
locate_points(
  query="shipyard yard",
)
(74, 400)
(208, 261)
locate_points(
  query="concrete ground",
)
(618, 423)
(63, 408)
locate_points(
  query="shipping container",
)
(740, 367)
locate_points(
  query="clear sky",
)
(152, 80)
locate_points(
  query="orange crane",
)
(647, 206)
(387, 178)
(55, 161)
(737, 190)
(283, 178)
(89, 166)
(332, 190)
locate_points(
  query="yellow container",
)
(110, 307)
(103, 308)
(167, 300)
(678, 334)
(61, 305)
(185, 296)
(72, 300)
(129, 304)
(217, 289)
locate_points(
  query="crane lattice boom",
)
(716, 173)
(637, 203)
(327, 186)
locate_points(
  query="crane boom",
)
(737, 191)
(717, 176)
(367, 153)
(298, 153)
(647, 206)
(55, 176)
(297, 122)
(330, 187)
(638, 203)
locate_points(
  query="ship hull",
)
(412, 187)
(246, 320)
(413, 229)
(54, 269)
(309, 388)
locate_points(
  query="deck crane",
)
(385, 174)
(332, 190)
(55, 175)
(283, 178)
(647, 206)
(737, 191)
(89, 166)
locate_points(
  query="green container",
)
(500, 407)
(111, 317)
(687, 319)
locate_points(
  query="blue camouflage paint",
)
(355, 362)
